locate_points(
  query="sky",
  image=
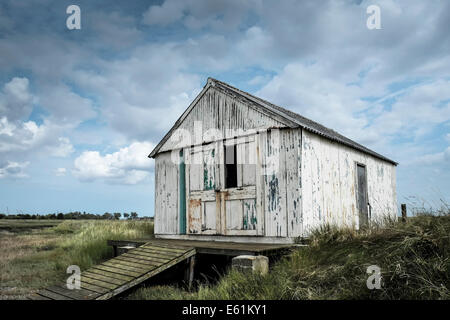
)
(81, 109)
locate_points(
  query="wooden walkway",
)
(116, 275)
(210, 247)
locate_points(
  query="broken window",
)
(230, 166)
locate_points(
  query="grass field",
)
(35, 254)
(12, 226)
(414, 260)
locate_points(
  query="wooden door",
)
(202, 181)
(238, 193)
(221, 188)
(362, 199)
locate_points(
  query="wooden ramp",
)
(116, 275)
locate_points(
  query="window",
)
(230, 166)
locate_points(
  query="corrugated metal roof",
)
(291, 116)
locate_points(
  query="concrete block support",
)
(124, 249)
(258, 264)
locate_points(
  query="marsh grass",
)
(34, 259)
(413, 257)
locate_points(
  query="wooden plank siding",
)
(275, 184)
(329, 184)
(216, 114)
(166, 195)
(293, 149)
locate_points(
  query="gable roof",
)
(292, 119)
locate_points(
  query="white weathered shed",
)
(235, 167)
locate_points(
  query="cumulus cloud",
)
(21, 137)
(129, 165)
(10, 169)
(144, 95)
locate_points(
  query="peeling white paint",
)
(329, 184)
(290, 180)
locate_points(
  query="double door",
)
(221, 179)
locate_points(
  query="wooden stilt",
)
(404, 214)
(189, 274)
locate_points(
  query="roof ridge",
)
(304, 122)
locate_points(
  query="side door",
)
(361, 195)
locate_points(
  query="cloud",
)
(23, 139)
(409, 113)
(417, 110)
(29, 137)
(433, 158)
(65, 106)
(222, 15)
(166, 13)
(11, 169)
(60, 172)
(113, 30)
(259, 80)
(16, 99)
(129, 165)
(307, 91)
(142, 96)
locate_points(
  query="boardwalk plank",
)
(163, 248)
(36, 296)
(153, 257)
(147, 267)
(53, 295)
(117, 264)
(110, 274)
(116, 270)
(117, 275)
(140, 257)
(145, 263)
(77, 294)
(159, 252)
(99, 283)
(155, 253)
(94, 288)
(100, 277)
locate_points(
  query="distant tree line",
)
(72, 216)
